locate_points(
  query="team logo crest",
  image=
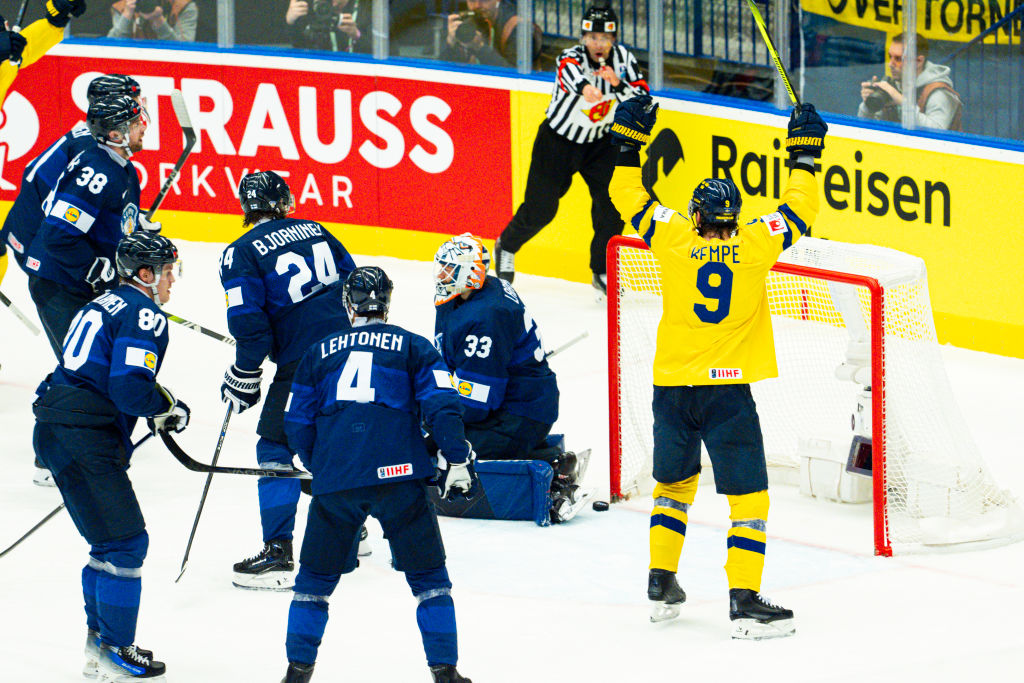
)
(71, 214)
(598, 111)
(129, 219)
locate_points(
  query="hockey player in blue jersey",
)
(277, 278)
(354, 419)
(93, 204)
(85, 414)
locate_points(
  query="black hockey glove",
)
(101, 276)
(11, 45)
(456, 479)
(241, 388)
(806, 132)
(634, 120)
(174, 419)
(59, 12)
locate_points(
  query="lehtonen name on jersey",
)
(382, 340)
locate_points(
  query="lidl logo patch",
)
(150, 361)
(71, 214)
(465, 388)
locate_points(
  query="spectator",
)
(155, 19)
(332, 25)
(938, 104)
(486, 34)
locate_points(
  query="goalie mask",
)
(718, 201)
(460, 265)
(367, 292)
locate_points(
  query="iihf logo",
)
(725, 373)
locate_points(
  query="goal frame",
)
(876, 295)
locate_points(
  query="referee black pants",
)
(554, 162)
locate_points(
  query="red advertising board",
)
(360, 149)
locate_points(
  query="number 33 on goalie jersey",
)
(273, 277)
(715, 326)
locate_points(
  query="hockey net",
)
(853, 326)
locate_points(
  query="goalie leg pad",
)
(746, 540)
(668, 522)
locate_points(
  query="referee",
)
(592, 77)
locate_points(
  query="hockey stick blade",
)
(185, 122)
(196, 466)
(200, 329)
(763, 28)
(580, 337)
(18, 314)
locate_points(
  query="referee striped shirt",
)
(573, 117)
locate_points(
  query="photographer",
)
(938, 104)
(485, 33)
(155, 20)
(332, 25)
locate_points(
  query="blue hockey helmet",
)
(265, 191)
(113, 113)
(113, 84)
(719, 202)
(367, 291)
(143, 249)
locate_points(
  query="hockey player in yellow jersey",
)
(714, 339)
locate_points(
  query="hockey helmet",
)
(265, 191)
(113, 113)
(600, 19)
(367, 291)
(460, 265)
(719, 202)
(113, 84)
(143, 249)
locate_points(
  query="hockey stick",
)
(583, 335)
(17, 26)
(206, 489)
(57, 509)
(199, 328)
(196, 466)
(759, 20)
(185, 121)
(18, 314)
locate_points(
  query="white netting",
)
(939, 492)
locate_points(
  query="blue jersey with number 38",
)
(276, 279)
(115, 347)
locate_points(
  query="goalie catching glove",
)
(241, 388)
(174, 419)
(634, 120)
(456, 479)
(806, 132)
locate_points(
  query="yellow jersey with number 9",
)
(715, 327)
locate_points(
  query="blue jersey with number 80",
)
(277, 281)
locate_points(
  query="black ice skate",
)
(504, 262)
(365, 549)
(754, 618)
(447, 673)
(124, 664)
(600, 283)
(663, 589)
(271, 570)
(567, 500)
(298, 673)
(91, 669)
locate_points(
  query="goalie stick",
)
(18, 314)
(206, 489)
(200, 329)
(196, 466)
(181, 112)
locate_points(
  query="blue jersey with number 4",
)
(492, 346)
(94, 203)
(115, 347)
(274, 278)
(354, 412)
(39, 178)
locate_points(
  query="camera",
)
(322, 21)
(878, 99)
(472, 23)
(146, 6)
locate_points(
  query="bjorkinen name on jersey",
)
(285, 236)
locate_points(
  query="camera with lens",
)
(321, 23)
(146, 6)
(879, 99)
(472, 23)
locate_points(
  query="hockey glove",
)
(241, 388)
(174, 419)
(101, 276)
(634, 120)
(456, 479)
(11, 45)
(806, 132)
(59, 12)
(152, 227)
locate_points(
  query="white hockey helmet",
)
(460, 265)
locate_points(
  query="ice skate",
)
(271, 570)
(504, 262)
(447, 673)
(91, 669)
(567, 500)
(124, 664)
(663, 589)
(600, 284)
(298, 673)
(43, 476)
(365, 549)
(754, 618)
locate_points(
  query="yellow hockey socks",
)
(745, 560)
(668, 522)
